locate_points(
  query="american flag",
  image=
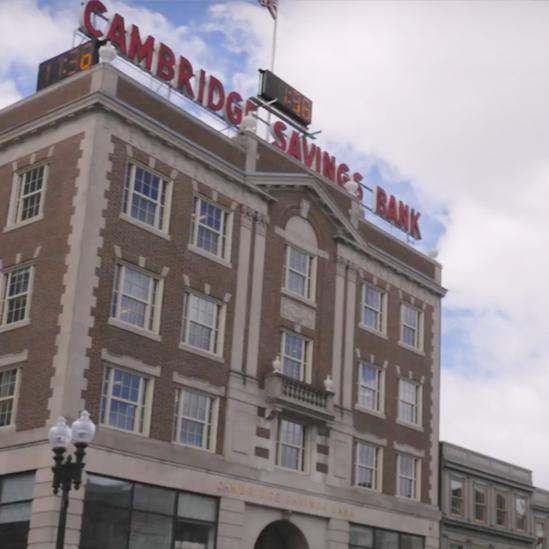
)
(271, 5)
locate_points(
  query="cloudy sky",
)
(445, 103)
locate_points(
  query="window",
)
(210, 228)
(8, 390)
(361, 537)
(296, 356)
(146, 197)
(126, 401)
(411, 332)
(501, 509)
(27, 199)
(408, 476)
(291, 445)
(364, 537)
(195, 419)
(136, 298)
(540, 534)
(369, 387)
(299, 273)
(368, 466)
(479, 502)
(119, 514)
(16, 493)
(456, 496)
(520, 512)
(202, 323)
(16, 295)
(373, 305)
(409, 402)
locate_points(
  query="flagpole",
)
(273, 50)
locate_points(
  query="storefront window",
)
(119, 514)
(16, 493)
(364, 537)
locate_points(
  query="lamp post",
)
(66, 472)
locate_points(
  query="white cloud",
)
(452, 96)
(8, 93)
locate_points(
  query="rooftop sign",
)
(205, 89)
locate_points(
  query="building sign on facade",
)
(205, 89)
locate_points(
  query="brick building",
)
(262, 362)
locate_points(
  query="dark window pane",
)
(149, 498)
(410, 542)
(13, 535)
(108, 491)
(16, 488)
(150, 531)
(187, 533)
(197, 507)
(386, 540)
(361, 536)
(104, 527)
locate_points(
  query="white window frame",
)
(484, 489)
(302, 450)
(416, 478)
(218, 329)
(144, 402)
(6, 275)
(162, 212)
(224, 235)
(505, 496)
(14, 398)
(451, 496)
(309, 276)
(153, 305)
(381, 324)
(379, 390)
(306, 360)
(208, 439)
(515, 517)
(377, 468)
(418, 329)
(417, 408)
(16, 200)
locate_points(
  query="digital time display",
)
(62, 66)
(287, 99)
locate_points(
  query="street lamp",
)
(67, 473)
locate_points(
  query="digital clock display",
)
(62, 66)
(287, 99)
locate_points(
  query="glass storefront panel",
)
(365, 537)
(125, 515)
(16, 493)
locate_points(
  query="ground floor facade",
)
(133, 502)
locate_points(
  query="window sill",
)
(288, 469)
(372, 331)
(14, 325)
(119, 430)
(8, 428)
(133, 329)
(406, 498)
(419, 352)
(207, 255)
(181, 445)
(13, 227)
(201, 352)
(144, 226)
(364, 489)
(364, 410)
(410, 425)
(298, 297)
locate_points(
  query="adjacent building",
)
(487, 503)
(261, 360)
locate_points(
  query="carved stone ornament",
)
(300, 314)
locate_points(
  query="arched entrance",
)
(281, 534)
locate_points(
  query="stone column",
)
(338, 534)
(230, 526)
